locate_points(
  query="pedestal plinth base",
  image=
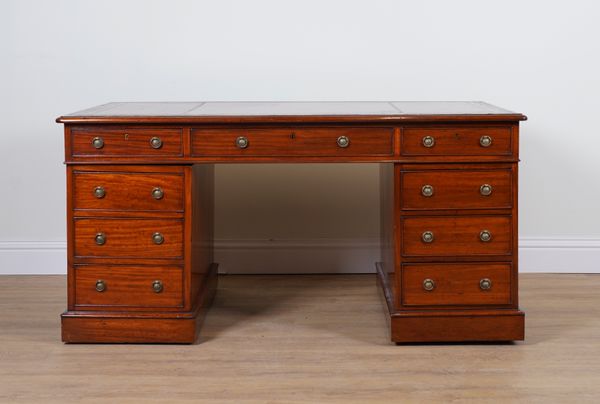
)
(140, 327)
(449, 325)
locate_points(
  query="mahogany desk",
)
(140, 210)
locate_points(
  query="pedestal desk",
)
(140, 210)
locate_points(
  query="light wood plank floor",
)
(302, 338)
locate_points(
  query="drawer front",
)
(456, 141)
(127, 191)
(456, 236)
(456, 284)
(129, 238)
(469, 189)
(126, 142)
(322, 141)
(128, 286)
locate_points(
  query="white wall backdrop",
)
(541, 58)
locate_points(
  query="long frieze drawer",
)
(456, 141)
(128, 286)
(456, 236)
(321, 141)
(134, 142)
(448, 189)
(456, 284)
(129, 238)
(131, 191)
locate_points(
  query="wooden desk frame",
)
(140, 210)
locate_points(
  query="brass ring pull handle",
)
(428, 284)
(158, 193)
(156, 142)
(343, 141)
(427, 236)
(427, 191)
(242, 142)
(100, 238)
(485, 284)
(485, 190)
(485, 236)
(157, 286)
(98, 142)
(158, 238)
(99, 192)
(485, 141)
(428, 141)
(100, 285)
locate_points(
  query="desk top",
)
(284, 112)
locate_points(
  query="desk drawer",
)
(456, 141)
(456, 236)
(129, 238)
(128, 191)
(128, 286)
(456, 284)
(321, 141)
(136, 142)
(453, 189)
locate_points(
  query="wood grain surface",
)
(127, 191)
(128, 238)
(126, 142)
(127, 287)
(456, 141)
(456, 236)
(454, 188)
(294, 141)
(455, 284)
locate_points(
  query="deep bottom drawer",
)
(456, 284)
(99, 286)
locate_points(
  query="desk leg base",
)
(411, 326)
(140, 327)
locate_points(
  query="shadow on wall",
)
(297, 218)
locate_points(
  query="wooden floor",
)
(312, 339)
